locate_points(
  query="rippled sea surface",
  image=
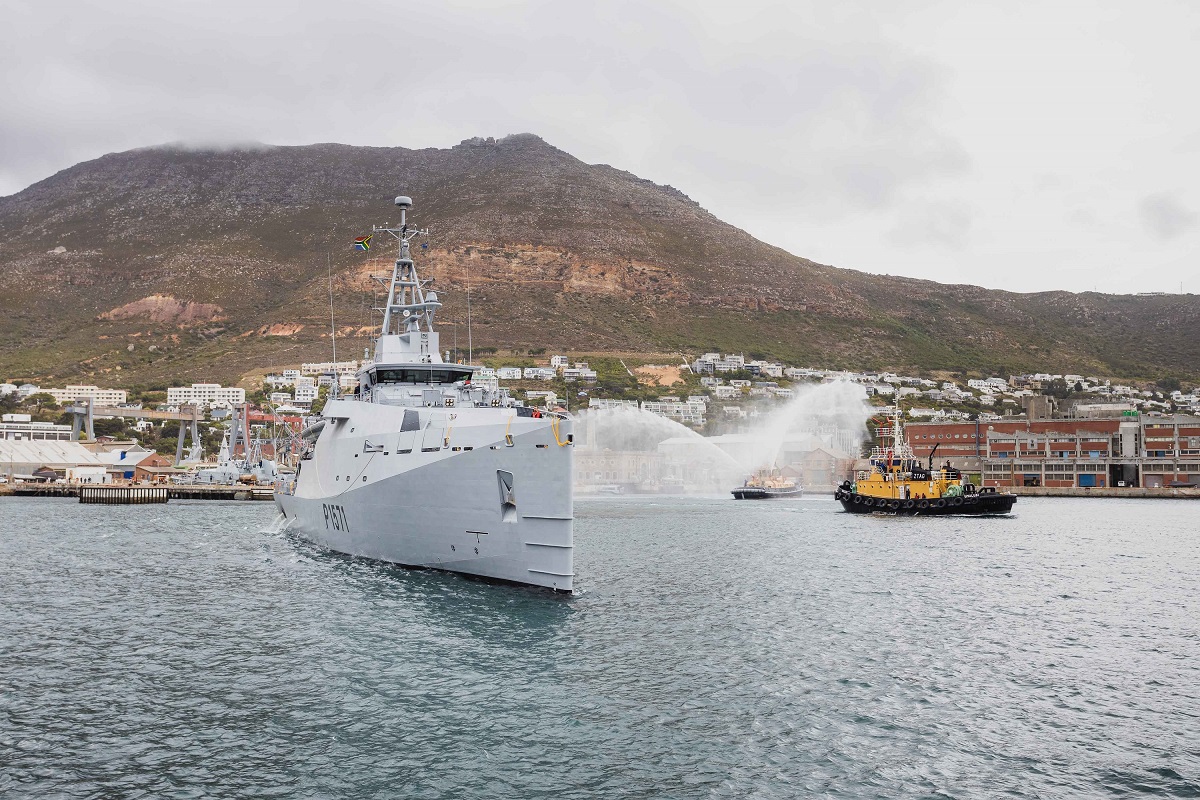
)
(714, 649)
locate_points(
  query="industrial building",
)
(1131, 450)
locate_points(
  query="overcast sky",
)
(1025, 146)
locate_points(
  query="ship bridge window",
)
(420, 375)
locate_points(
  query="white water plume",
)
(629, 447)
(830, 415)
(623, 432)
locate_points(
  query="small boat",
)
(898, 483)
(767, 483)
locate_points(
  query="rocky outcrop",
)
(164, 309)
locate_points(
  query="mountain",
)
(170, 263)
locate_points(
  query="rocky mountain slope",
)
(170, 263)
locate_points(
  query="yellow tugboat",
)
(898, 483)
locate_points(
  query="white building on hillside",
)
(210, 394)
(340, 367)
(93, 394)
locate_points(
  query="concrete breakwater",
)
(173, 492)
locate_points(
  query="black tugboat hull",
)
(976, 505)
(756, 493)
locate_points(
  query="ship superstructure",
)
(768, 483)
(425, 466)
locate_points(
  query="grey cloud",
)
(939, 224)
(757, 108)
(1166, 217)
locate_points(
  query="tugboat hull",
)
(981, 504)
(759, 493)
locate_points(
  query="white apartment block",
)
(340, 367)
(600, 402)
(306, 394)
(687, 413)
(210, 394)
(557, 362)
(93, 394)
(578, 373)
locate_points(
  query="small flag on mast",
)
(362, 243)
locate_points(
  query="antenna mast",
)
(334, 390)
(408, 304)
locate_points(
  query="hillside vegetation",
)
(167, 264)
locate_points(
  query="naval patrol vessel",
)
(425, 466)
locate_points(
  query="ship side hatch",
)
(508, 498)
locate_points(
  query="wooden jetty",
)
(96, 493)
(122, 495)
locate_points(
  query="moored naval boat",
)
(898, 483)
(765, 484)
(427, 467)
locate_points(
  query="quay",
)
(194, 492)
(1126, 492)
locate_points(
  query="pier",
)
(185, 492)
(122, 495)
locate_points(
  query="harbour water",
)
(713, 649)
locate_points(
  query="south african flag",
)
(362, 243)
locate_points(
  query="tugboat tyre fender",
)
(858, 499)
(940, 503)
(893, 505)
(957, 501)
(909, 503)
(868, 502)
(922, 504)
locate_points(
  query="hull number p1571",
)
(335, 517)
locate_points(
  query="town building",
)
(210, 394)
(340, 367)
(20, 427)
(687, 413)
(21, 458)
(1132, 450)
(93, 394)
